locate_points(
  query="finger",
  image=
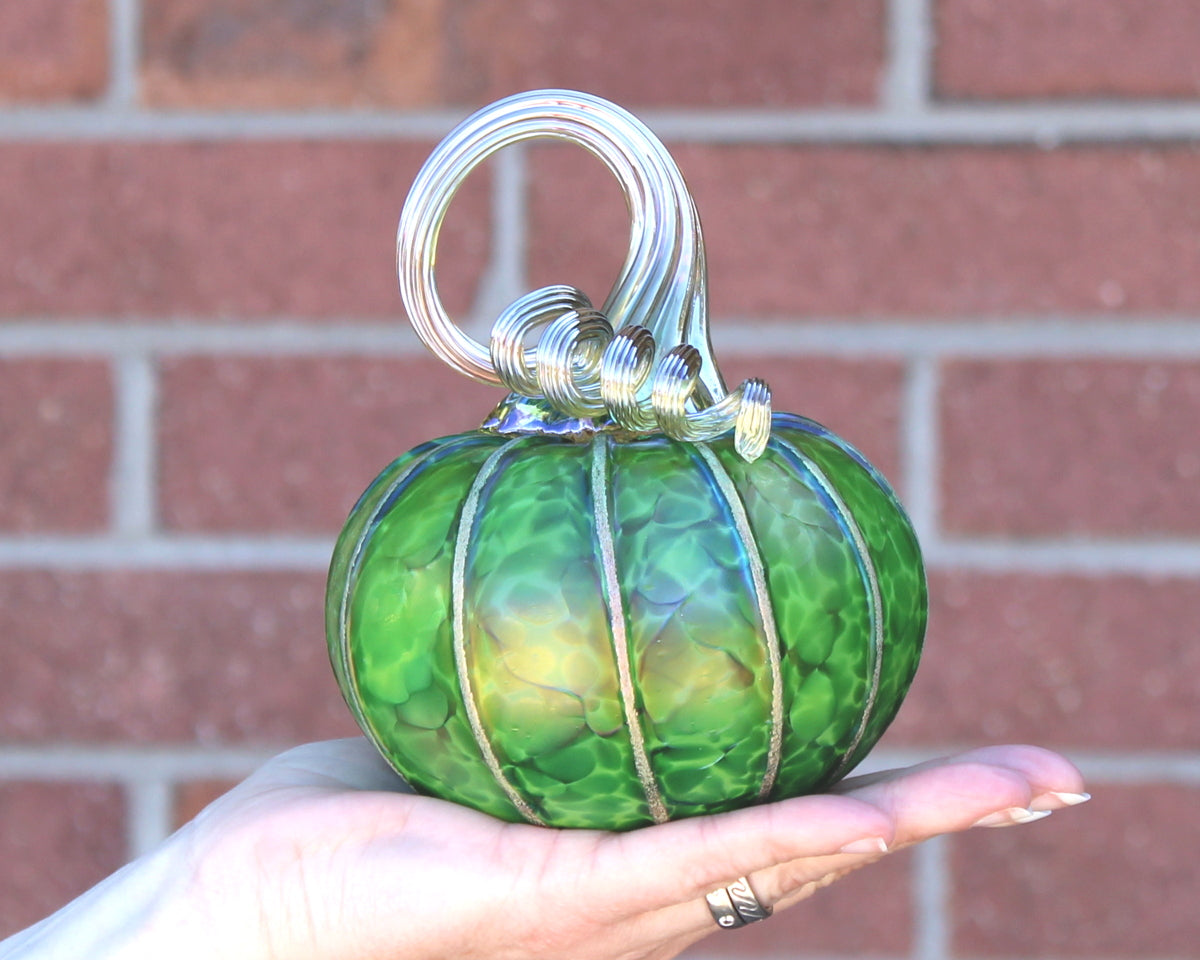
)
(919, 802)
(682, 860)
(1054, 781)
(922, 802)
(819, 881)
(1047, 771)
(943, 798)
(685, 859)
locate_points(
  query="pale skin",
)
(321, 856)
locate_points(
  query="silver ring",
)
(736, 905)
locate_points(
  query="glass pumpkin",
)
(564, 621)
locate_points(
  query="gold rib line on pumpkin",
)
(758, 577)
(466, 526)
(874, 598)
(352, 578)
(620, 637)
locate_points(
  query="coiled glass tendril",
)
(657, 372)
(586, 369)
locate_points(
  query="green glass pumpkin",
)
(632, 595)
(613, 632)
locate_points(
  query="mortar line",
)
(1079, 557)
(504, 279)
(906, 85)
(1133, 766)
(132, 765)
(1070, 557)
(124, 50)
(134, 508)
(269, 337)
(1018, 337)
(1035, 125)
(931, 900)
(519, 218)
(197, 553)
(919, 445)
(149, 815)
(1051, 336)
(170, 764)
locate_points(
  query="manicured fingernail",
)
(1056, 799)
(1011, 817)
(866, 845)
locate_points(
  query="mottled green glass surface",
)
(820, 601)
(893, 547)
(700, 661)
(403, 673)
(343, 557)
(541, 647)
(540, 650)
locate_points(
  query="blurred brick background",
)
(964, 233)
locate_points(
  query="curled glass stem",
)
(579, 364)
(586, 370)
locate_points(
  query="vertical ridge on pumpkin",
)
(695, 634)
(466, 525)
(745, 533)
(343, 663)
(352, 545)
(874, 595)
(895, 553)
(620, 638)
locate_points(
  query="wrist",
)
(144, 910)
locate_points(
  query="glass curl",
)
(644, 358)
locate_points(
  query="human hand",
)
(317, 855)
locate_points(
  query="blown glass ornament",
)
(631, 595)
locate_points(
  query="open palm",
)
(323, 854)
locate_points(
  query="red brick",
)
(901, 231)
(858, 399)
(192, 797)
(1116, 878)
(1045, 448)
(58, 840)
(688, 53)
(1107, 663)
(284, 53)
(53, 51)
(288, 444)
(165, 657)
(219, 230)
(248, 444)
(867, 913)
(1017, 49)
(55, 445)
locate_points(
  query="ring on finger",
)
(736, 905)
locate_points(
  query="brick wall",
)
(964, 233)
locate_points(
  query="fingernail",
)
(866, 845)
(1056, 799)
(1011, 817)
